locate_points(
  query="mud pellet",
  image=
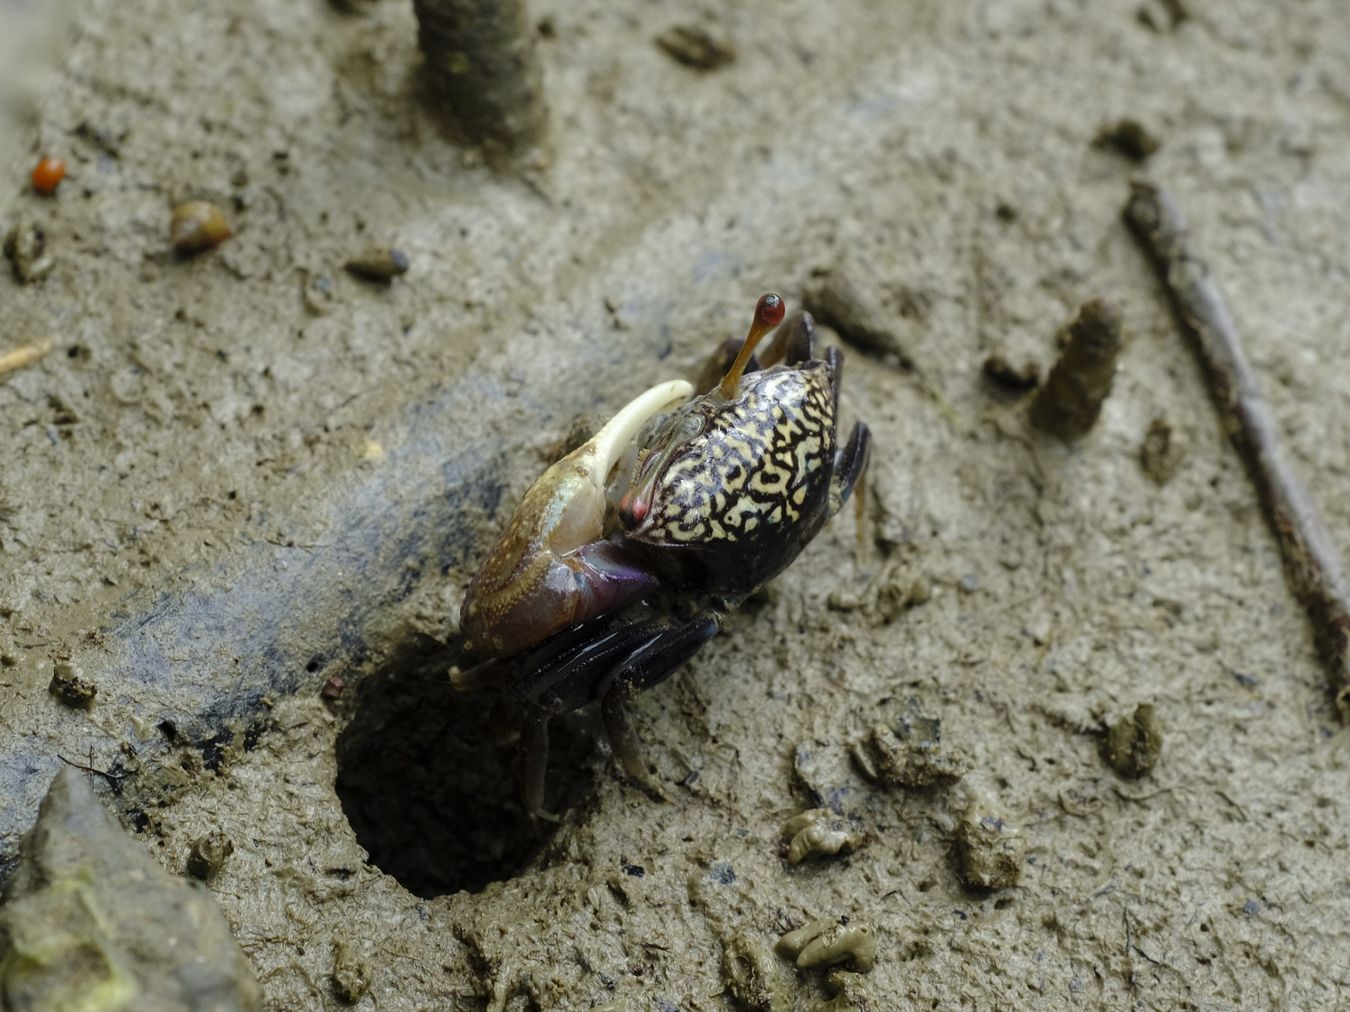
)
(848, 993)
(819, 832)
(1018, 375)
(351, 975)
(838, 300)
(24, 355)
(828, 941)
(26, 247)
(844, 943)
(1162, 452)
(750, 974)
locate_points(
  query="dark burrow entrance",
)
(427, 778)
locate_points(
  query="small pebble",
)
(207, 855)
(379, 263)
(68, 686)
(1022, 375)
(197, 226)
(319, 295)
(333, 687)
(1133, 744)
(1128, 137)
(695, 47)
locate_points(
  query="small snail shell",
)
(198, 225)
(380, 263)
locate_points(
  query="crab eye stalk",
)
(769, 312)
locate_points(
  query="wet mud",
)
(242, 492)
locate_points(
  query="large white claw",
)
(605, 448)
(551, 566)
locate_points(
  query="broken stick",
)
(1311, 561)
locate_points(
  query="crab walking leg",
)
(624, 740)
(534, 760)
(551, 567)
(578, 665)
(794, 342)
(652, 663)
(850, 467)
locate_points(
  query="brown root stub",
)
(481, 59)
(1133, 743)
(1069, 403)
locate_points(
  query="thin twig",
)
(1311, 561)
(114, 779)
(25, 354)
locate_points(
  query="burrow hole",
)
(427, 778)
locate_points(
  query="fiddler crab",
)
(624, 556)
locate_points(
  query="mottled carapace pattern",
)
(756, 463)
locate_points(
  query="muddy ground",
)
(238, 476)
